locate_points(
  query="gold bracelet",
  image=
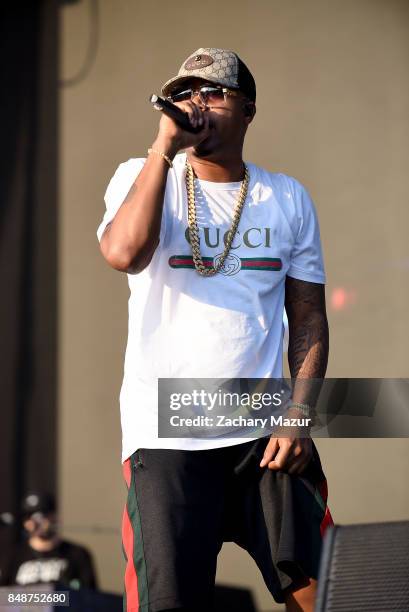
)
(165, 157)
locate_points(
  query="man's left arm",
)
(308, 330)
(307, 358)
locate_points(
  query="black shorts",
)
(182, 505)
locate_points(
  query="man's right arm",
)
(130, 239)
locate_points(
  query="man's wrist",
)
(165, 146)
(303, 411)
(305, 408)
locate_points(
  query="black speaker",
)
(365, 567)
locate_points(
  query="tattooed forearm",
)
(308, 347)
(308, 337)
(302, 296)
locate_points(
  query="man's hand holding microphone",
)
(130, 239)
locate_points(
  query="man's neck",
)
(217, 171)
(41, 545)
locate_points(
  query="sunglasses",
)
(208, 94)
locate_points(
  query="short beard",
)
(202, 152)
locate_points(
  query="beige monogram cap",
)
(218, 66)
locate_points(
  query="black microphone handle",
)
(174, 112)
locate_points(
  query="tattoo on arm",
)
(308, 329)
(308, 349)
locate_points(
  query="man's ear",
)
(249, 110)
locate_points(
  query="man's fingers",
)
(189, 108)
(270, 451)
(291, 455)
(203, 117)
(300, 457)
(194, 113)
(280, 460)
(198, 117)
(206, 120)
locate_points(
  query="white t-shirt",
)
(229, 325)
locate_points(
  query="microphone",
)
(174, 112)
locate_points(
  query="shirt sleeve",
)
(306, 261)
(117, 190)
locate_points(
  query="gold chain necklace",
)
(194, 230)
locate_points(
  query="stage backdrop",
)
(28, 250)
(332, 111)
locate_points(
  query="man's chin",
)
(204, 149)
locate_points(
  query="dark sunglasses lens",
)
(211, 94)
(180, 96)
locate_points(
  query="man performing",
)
(214, 248)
